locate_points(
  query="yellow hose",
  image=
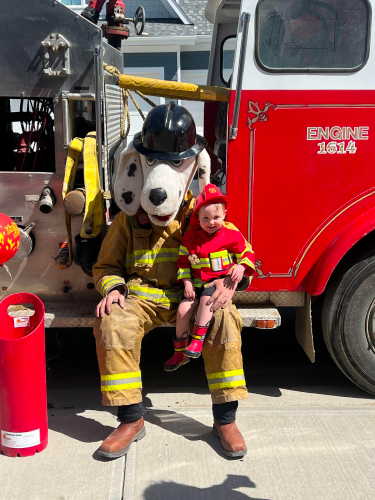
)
(177, 90)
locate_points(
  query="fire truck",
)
(288, 110)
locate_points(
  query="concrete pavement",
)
(309, 431)
(305, 444)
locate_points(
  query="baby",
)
(210, 250)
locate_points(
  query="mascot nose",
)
(158, 196)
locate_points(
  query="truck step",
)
(263, 316)
(81, 314)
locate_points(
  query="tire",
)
(348, 320)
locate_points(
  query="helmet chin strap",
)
(189, 182)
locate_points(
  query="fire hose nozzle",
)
(47, 200)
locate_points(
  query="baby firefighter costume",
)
(204, 258)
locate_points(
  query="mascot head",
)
(157, 167)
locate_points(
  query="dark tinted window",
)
(228, 48)
(310, 35)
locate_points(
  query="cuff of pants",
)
(130, 413)
(226, 395)
(121, 398)
(225, 413)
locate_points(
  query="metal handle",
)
(245, 20)
(65, 119)
(98, 106)
(65, 98)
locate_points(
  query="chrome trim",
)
(245, 21)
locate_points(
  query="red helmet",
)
(9, 238)
(210, 194)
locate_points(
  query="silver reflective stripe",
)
(152, 257)
(225, 379)
(151, 295)
(121, 381)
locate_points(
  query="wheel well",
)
(364, 248)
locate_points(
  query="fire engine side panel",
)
(24, 26)
(38, 274)
(21, 62)
(300, 169)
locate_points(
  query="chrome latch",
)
(56, 55)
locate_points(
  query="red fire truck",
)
(298, 152)
(292, 147)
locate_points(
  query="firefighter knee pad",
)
(122, 329)
(226, 326)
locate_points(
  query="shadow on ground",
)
(273, 360)
(224, 491)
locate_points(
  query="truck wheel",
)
(348, 320)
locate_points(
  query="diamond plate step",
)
(79, 315)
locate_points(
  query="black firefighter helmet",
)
(169, 134)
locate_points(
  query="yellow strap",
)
(75, 149)
(94, 198)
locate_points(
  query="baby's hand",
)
(237, 273)
(189, 289)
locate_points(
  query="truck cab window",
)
(227, 51)
(312, 36)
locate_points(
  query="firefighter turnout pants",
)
(118, 343)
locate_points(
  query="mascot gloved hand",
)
(157, 167)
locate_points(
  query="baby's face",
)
(211, 217)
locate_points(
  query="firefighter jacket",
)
(204, 257)
(143, 260)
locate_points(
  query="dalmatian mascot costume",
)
(136, 274)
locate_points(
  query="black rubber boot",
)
(90, 14)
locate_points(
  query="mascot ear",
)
(204, 169)
(129, 181)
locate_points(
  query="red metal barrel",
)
(23, 396)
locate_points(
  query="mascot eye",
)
(150, 161)
(177, 163)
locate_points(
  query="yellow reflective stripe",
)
(111, 282)
(197, 282)
(248, 249)
(220, 380)
(183, 274)
(247, 262)
(151, 261)
(121, 381)
(121, 387)
(222, 253)
(231, 373)
(179, 349)
(147, 256)
(203, 262)
(155, 251)
(119, 376)
(183, 251)
(156, 295)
